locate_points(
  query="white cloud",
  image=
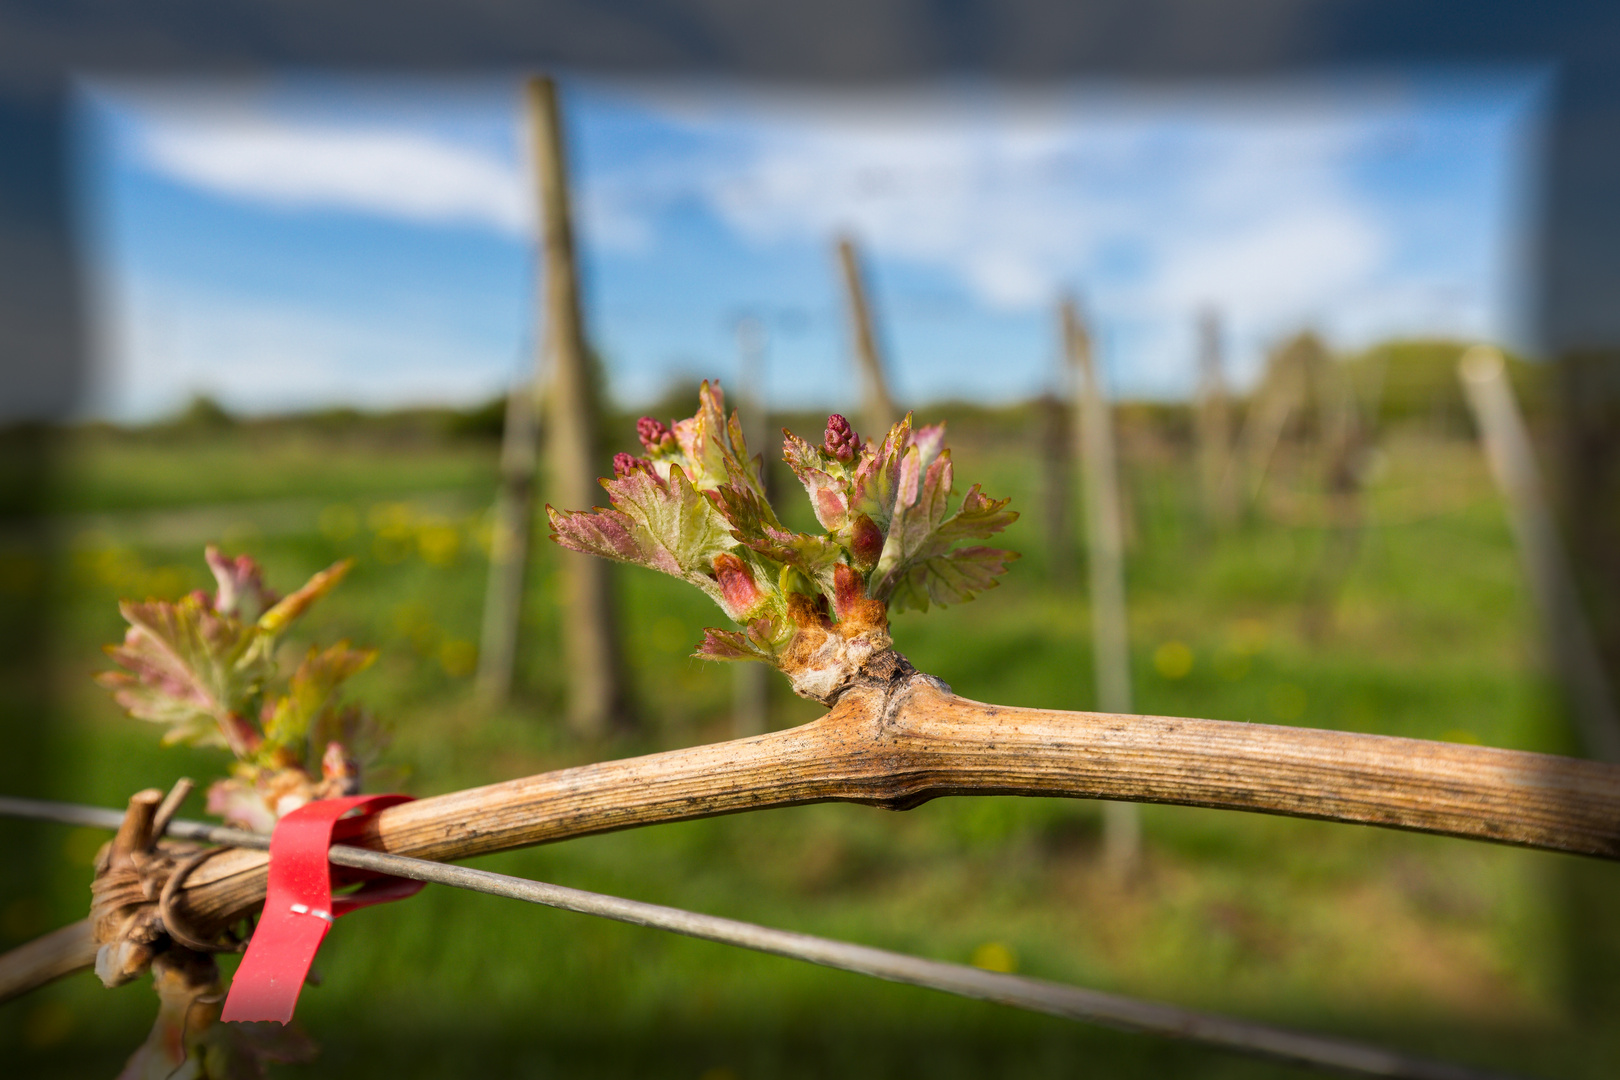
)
(394, 173)
(156, 346)
(1151, 207)
(1019, 204)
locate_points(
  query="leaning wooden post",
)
(509, 546)
(1552, 586)
(877, 407)
(1105, 549)
(1214, 425)
(595, 696)
(1281, 391)
(751, 682)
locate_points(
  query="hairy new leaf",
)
(191, 668)
(664, 524)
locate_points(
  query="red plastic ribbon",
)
(299, 907)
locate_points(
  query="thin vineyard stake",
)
(1036, 995)
(1214, 426)
(1271, 406)
(509, 544)
(1552, 585)
(877, 406)
(1341, 443)
(1105, 557)
(596, 699)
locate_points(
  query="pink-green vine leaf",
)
(608, 533)
(876, 481)
(192, 669)
(917, 551)
(979, 518)
(212, 679)
(954, 577)
(746, 510)
(665, 524)
(288, 609)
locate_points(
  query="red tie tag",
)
(299, 907)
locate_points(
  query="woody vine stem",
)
(813, 605)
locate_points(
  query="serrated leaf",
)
(608, 533)
(920, 511)
(917, 566)
(664, 524)
(979, 518)
(954, 577)
(191, 668)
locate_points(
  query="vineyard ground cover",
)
(1454, 949)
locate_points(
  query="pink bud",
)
(866, 545)
(624, 464)
(654, 436)
(841, 441)
(738, 593)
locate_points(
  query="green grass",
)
(1479, 953)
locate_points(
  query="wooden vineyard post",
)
(1341, 439)
(877, 407)
(751, 682)
(1219, 489)
(509, 545)
(1105, 551)
(591, 654)
(1552, 586)
(1284, 390)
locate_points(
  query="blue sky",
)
(302, 242)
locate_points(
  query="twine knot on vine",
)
(138, 876)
